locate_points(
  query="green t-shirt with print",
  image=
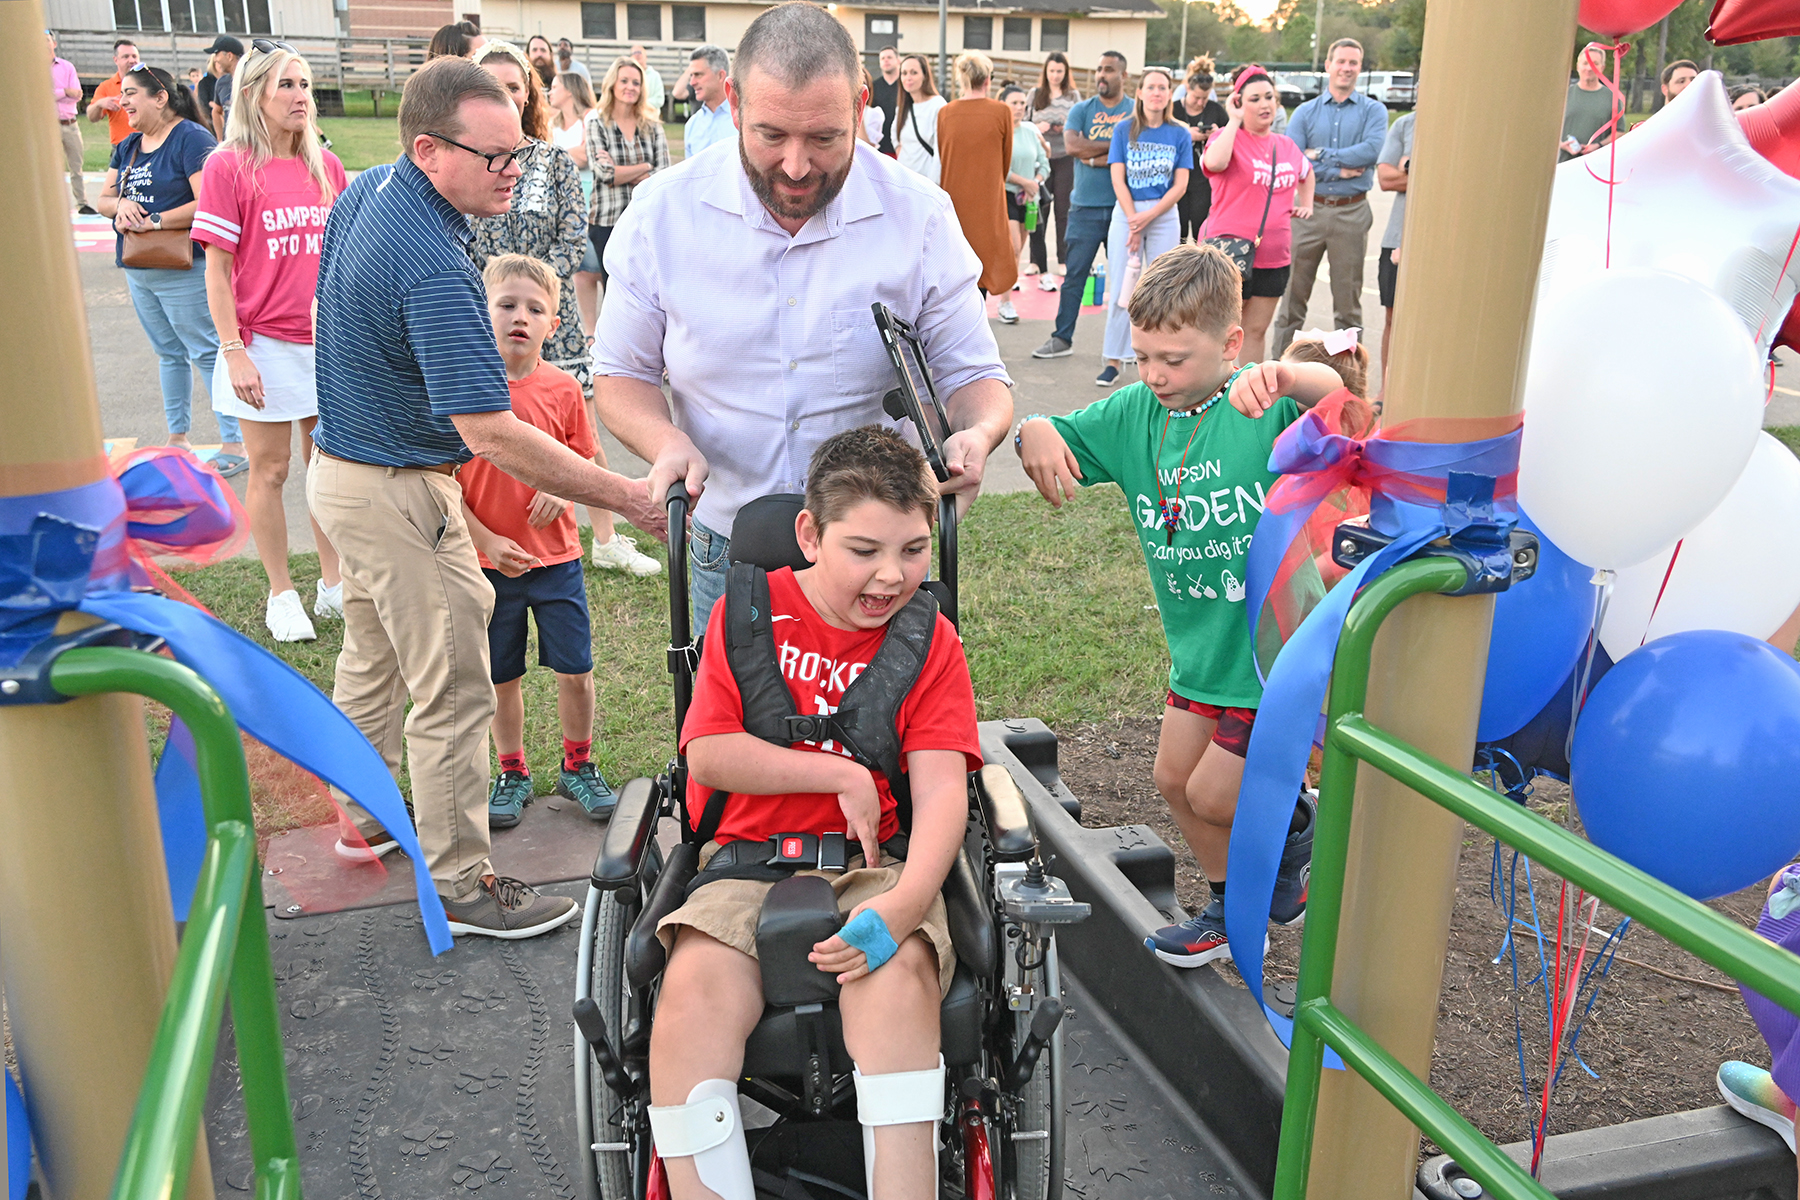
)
(1199, 577)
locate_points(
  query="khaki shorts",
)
(727, 909)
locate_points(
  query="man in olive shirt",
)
(1590, 107)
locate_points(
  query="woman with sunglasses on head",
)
(266, 193)
(153, 184)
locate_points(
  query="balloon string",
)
(1659, 592)
(1603, 581)
(1618, 51)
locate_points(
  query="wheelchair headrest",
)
(763, 533)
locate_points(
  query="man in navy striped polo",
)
(411, 386)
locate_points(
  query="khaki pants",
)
(416, 609)
(72, 152)
(1342, 232)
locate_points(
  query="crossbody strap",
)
(912, 110)
(1274, 162)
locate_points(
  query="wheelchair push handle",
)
(593, 1029)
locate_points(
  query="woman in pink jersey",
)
(264, 198)
(1240, 161)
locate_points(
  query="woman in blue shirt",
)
(1151, 159)
(153, 183)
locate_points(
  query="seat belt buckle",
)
(794, 850)
(834, 851)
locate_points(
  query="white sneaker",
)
(329, 602)
(1008, 314)
(1046, 282)
(286, 618)
(621, 554)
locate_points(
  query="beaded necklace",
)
(1169, 509)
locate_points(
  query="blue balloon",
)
(18, 1142)
(1540, 629)
(1686, 758)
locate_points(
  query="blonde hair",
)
(1357, 417)
(973, 69)
(1189, 287)
(608, 97)
(503, 267)
(535, 119)
(247, 130)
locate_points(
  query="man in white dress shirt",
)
(749, 278)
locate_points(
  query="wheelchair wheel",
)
(1036, 1135)
(615, 1160)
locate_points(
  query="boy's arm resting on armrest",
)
(1048, 460)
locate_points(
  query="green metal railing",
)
(1317, 1023)
(225, 948)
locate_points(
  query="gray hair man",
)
(705, 80)
(804, 230)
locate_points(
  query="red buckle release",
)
(792, 847)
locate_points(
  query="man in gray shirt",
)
(1588, 114)
(1393, 170)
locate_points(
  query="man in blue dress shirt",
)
(411, 386)
(1341, 130)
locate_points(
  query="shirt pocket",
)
(859, 362)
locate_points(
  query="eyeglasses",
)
(265, 46)
(496, 163)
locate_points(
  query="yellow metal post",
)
(85, 916)
(1478, 199)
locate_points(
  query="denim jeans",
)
(171, 306)
(709, 566)
(1087, 233)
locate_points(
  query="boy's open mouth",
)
(518, 335)
(875, 606)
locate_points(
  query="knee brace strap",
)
(900, 1097)
(709, 1129)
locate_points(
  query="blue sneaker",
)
(507, 800)
(1288, 905)
(1108, 376)
(1197, 941)
(585, 786)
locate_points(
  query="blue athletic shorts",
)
(556, 598)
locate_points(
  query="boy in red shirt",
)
(866, 528)
(531, 552)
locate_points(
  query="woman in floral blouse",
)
(625, 146)
(547, 220)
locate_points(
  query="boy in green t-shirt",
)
(1189, 446)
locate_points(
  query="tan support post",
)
(85, 916)
(1479, 197)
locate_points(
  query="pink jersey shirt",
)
(1240, 191)
(273, 224)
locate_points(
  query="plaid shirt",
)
(605, 140)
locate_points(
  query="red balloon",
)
(1774, 130)
(1616, 18)
(1735, 21)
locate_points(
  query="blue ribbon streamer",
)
(1288, 719)
(62, 551)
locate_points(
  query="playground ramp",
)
(416, 1078)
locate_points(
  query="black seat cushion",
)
(777, 1047)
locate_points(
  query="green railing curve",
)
(225, 948)
(1351, 739)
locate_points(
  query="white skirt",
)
(290, 388)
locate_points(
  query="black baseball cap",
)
(228, 44)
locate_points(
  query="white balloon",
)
(1739, 570)
(1643, 401)
(1693, 197)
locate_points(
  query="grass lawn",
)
(1789, 436)
(1058, 619)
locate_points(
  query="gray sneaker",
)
(508, 908)
(1054, 348)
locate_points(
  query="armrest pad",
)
(627, 834)
(1004, 814)
(645, 957)
(798, 913)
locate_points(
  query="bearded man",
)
(748, 278)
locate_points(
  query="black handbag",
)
(1242, 250)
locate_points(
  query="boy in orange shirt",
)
(531, 552)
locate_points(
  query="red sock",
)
(576, 753)
(514, 762)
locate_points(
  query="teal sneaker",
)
(585, 786)
(1750, 1091)
(506, 803)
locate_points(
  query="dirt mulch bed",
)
(1662, 1024)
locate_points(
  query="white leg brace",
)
(897, 1098)
(710, 1130)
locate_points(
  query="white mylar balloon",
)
(1643, 401)
(1693, 197)
(1739, 569)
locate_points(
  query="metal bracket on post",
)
(28, 680)
(1495, 559)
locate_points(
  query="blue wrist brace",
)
(869, 933)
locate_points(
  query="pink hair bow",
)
(1336, 341)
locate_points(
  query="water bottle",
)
(1031, 215)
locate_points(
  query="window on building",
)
(978, 33)
(599, 22)
(690, 22)
(1017, 35)
(1053, 34)
(643, 22)
(131, 14)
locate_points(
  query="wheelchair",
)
(1000, 1134)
